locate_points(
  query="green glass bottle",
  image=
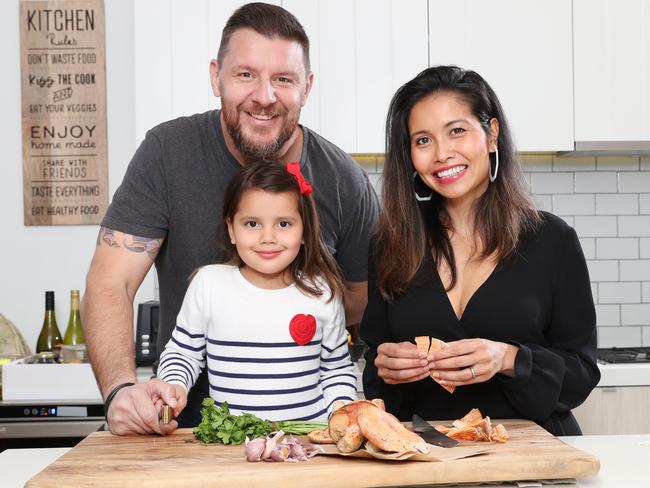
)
(74, 333)
(50, 335)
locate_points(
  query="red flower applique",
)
(302, 328)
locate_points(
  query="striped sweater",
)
(253, 362)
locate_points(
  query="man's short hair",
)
(268, 20)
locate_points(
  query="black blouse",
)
(539, 300)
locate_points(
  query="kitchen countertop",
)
(624, 374)
(624, 462)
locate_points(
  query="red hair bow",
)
(303, 184)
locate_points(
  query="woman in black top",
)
(463, 256)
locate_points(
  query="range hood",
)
(609, 148)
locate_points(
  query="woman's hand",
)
(401, 363)
(470, 361)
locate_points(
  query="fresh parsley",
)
(220, 426)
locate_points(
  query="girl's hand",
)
(469, 361)
(401, 363)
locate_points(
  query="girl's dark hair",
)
(409, 229)
(268, 20)
(314, 261)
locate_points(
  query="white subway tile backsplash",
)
(644, 248)
(375, 181)
(617, 248)
(574, 164)
(552, 182)
(535, 163)
(635, 314)
(600, 226)
(588, 247)
(608, 315)
(619, 336)
(618, 204)
(645, 336)
(574, 204)
(619, 292)
(637, 226)
(617, 163)
(644, 203)
(635, 270)
(594, 292)
(603, 270)
(635, 182)
(645, 298)
(596, 182)
(543, 202)
(645, 163)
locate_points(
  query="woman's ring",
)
(471, 370)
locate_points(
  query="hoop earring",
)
(418, 197)
(496, 166)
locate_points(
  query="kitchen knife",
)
(422, 428)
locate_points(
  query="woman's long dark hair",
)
(314, 262)
(409, 229)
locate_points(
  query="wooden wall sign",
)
(63, 77)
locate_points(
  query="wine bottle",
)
(74, 334)
(50, 335)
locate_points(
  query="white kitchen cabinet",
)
(174, 43)
(615, 410)
(612, 70)
(153, 82)
(523, 48)
(361, 52)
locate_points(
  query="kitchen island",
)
(624, 462)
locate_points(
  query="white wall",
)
(35, 259)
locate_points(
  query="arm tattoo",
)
(132, 243)
(107, 236)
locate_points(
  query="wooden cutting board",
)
(176, 461)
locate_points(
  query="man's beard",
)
(250, 149)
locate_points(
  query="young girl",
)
(271, 322)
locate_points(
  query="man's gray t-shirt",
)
(174, 186)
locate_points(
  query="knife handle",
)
(166, 414)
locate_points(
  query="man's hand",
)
(136, 409)
(401, 363)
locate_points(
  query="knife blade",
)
(422, 428)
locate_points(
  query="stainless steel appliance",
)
(48, 423)
(614, 355)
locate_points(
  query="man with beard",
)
(169, 207)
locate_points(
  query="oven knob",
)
(145, 344)
(145, 337)
(34, 411)
(26, 411)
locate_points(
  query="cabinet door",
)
(153, 82)
(362, 51)
(523, 49)
(612, 70)
(615, 410)
(174, 43)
